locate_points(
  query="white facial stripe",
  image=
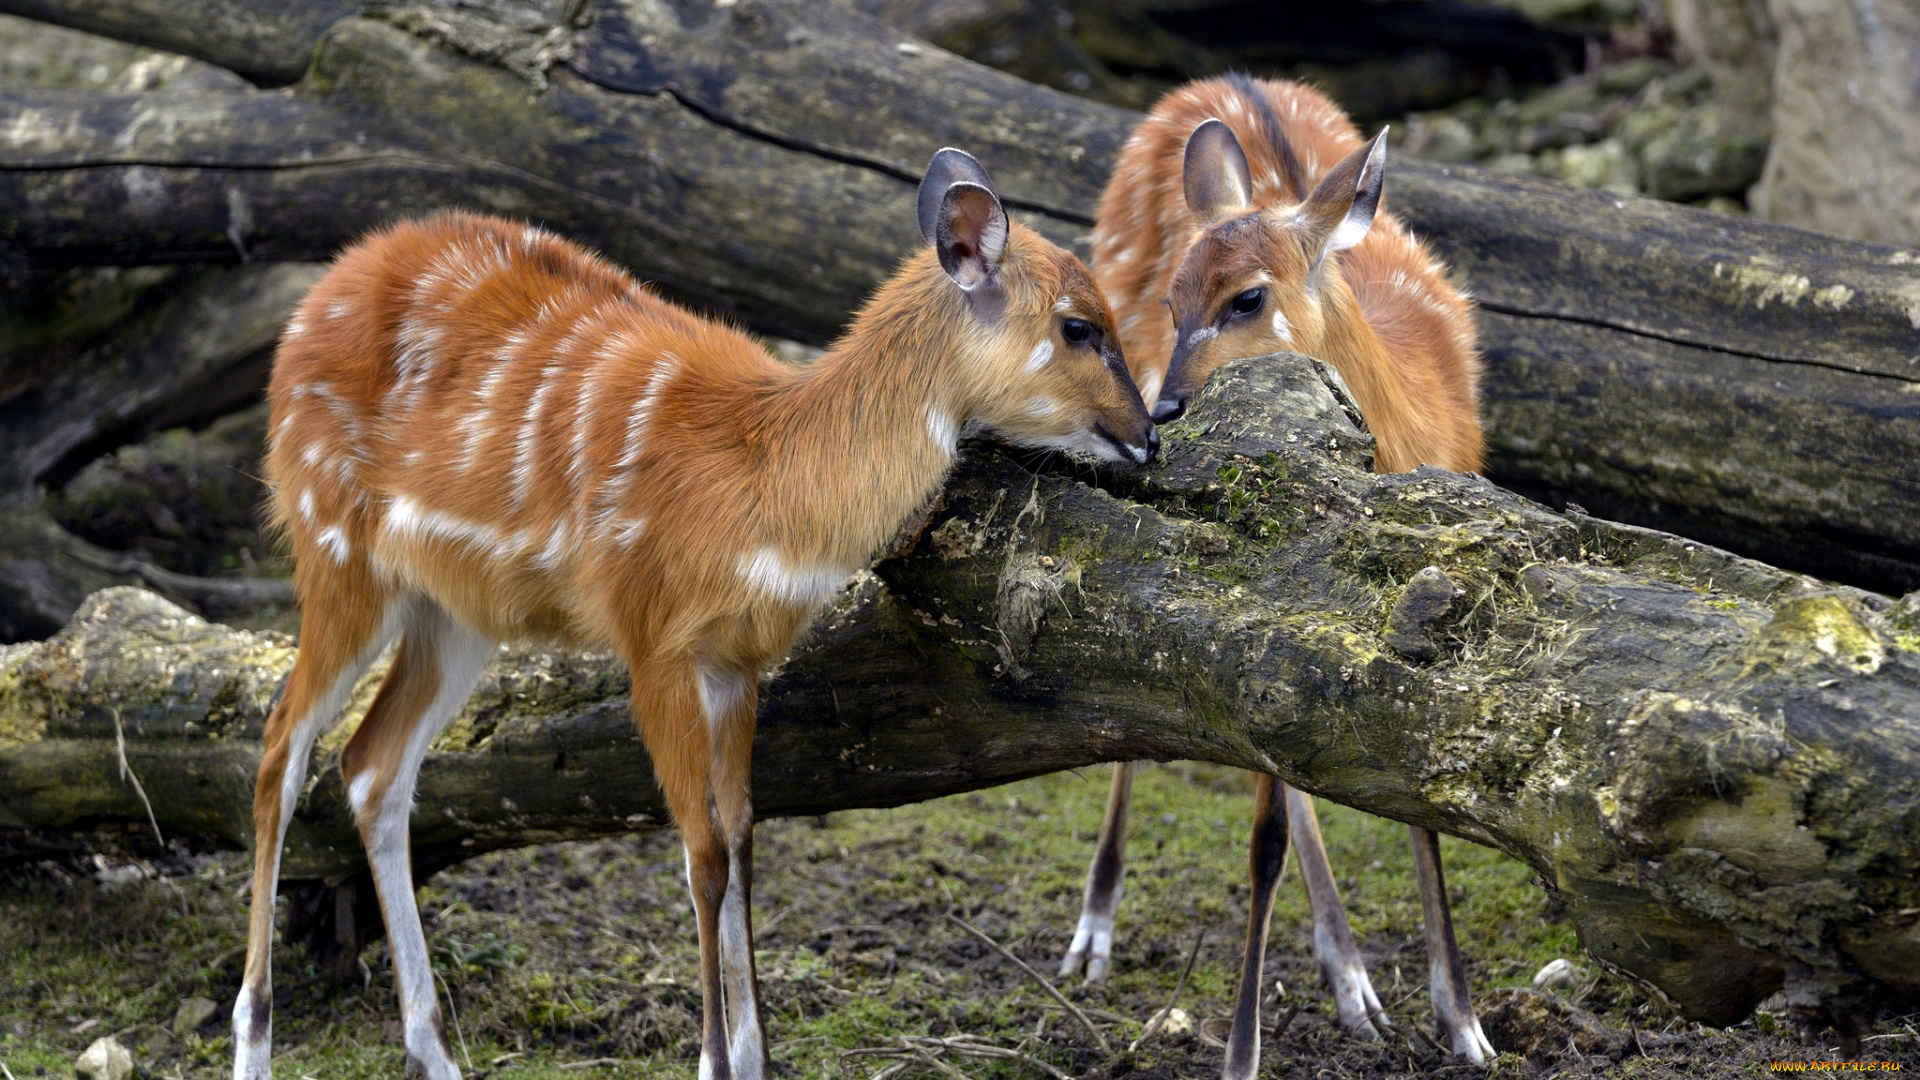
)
(1281, 328)
(1201, 336)
(1039, 357)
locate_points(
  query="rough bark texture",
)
(1743, 381)
(1713, 761)
(1846, 119)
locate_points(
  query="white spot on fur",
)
(766, 573)
(305, 503)
(1281, 328)
(1038, 358)
(1041, 406)
(1201, 337)
(358, 790)
(334, 539)
(941, 429)
(339, 309)
(720, 693)
(1063, 305)
(295, 327)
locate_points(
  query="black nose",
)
(1153, 443)
(1167, 410)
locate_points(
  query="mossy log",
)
(1714, 762)
(1750, 384)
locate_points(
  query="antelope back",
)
(1243, 217)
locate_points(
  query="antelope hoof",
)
(1092, 946)
(1468, 1041)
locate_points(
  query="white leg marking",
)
(1093, 943)
(253, 1051)
(745, 1041)
(462, 657)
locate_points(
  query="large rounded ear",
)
(970, 234)
(948, 167)
(1341, 208)
(1216, 178)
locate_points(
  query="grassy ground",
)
(561, 955)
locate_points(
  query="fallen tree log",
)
(1711, 760)
(1748, 383)
(186, 356)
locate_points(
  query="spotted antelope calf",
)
(482, 432)
(1243, 218)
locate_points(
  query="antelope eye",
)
(1076, 331)
(1248, 302)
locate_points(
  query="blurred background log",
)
(1710, 760)
(1749, 385)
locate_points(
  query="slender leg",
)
(346, 629)
(1340, 964)
(728, 700)
(668, 706)
(1452, 996)
(434, 671)
(1093, 938)
(1266, 855)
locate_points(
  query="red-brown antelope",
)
(481, 432)
(1211, 246)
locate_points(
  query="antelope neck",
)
(864, 436)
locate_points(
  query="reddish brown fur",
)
(1387, 317)
(486, 433)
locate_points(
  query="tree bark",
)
(1746, 382)
(1710, 759)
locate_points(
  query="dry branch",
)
(1711, 760)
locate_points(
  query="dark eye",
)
(1248, 302)
(1076, 331)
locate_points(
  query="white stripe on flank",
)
(766, 573)
(941, 429)
(334, 539)
(559, 542)
(528, 441)
(1038, 358)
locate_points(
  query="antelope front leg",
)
(1452, 996)
(1266, 855)
(672, 703)
(729, 700)
(1354, 1000)
(1093, 937)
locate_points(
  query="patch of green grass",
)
(572, 952)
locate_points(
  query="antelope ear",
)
(970, 234)
(1215, 174)
(948, 167)
(1342, 205)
